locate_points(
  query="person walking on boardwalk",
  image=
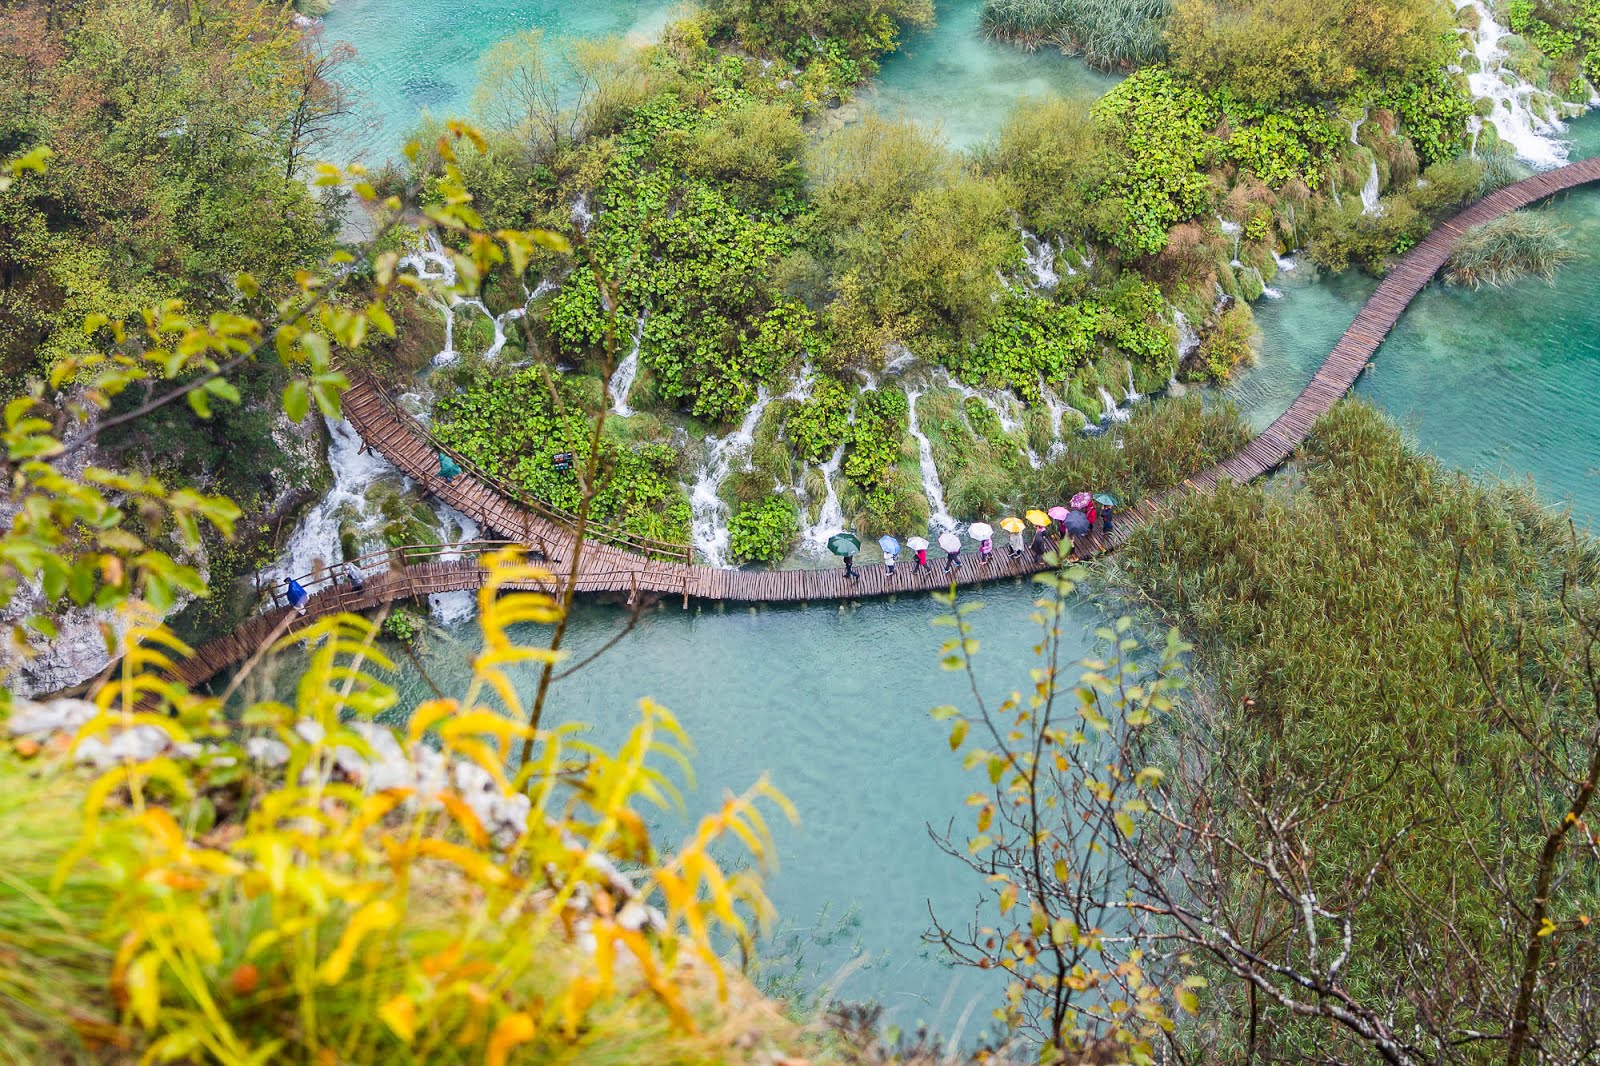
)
(298, 596)
(1108, 508)
(354, 575)
(846, 545)
(891, 551)
(920, 546)
(1040, 522)
(952, 547)
(983, 533)
(1013, 527)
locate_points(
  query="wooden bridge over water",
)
(614, 562)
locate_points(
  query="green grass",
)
(1109, 34)
(1521, 244)
(53, 967)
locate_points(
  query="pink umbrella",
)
(1058, 512)
(1082, 500)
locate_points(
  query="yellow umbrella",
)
(1039, 518)
(1011, 524)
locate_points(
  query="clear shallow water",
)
(422, 55)
(953, 79)
(833, 703)
(1504, 382)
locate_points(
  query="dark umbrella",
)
(1077, 523)
(844, 544)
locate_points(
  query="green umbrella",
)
(448, 467)
(844, 544)
(1105, 499)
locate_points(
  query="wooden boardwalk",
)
(615, 562)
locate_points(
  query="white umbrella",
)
(980, 531)
(950, 542)
(917, 544)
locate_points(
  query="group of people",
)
(1086, 514)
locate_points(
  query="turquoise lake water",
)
(833, 702)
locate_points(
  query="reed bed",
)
(1110, 34)
(1515, 246)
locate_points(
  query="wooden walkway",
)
(614, 562)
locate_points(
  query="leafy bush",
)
(510, 426)
(1161, 132)
(403, 625)
(1053, 158)
(1227, 346)
(821, 422)
(1033, 338)
(1281, 145)
(1521, 244)
(1433, 108)
(764, 531)
(876, 436)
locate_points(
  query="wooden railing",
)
(594, 531)
(375, 563)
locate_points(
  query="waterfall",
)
(830, 519)
(1002, 404)
(582, 217)
(431, 262)
(1188, 339)
(1369, 192)
(1285, 263)
(709, 524)
(315, 541)
(627, 370)
(1270, 293)
(1134, 395)
(1113, 413)
(1532, 136)
(1040, 260)
(932, 487)
(451, 607)
(1234, 230)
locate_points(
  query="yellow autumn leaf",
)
(509, 1031)
(400, 1015)
(377, 915)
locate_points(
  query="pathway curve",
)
(615, 562)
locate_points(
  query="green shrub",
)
(1032, 338)
(819, 424)
(1108, 33)
(1160, 130)
(1053, 158)
(763, 532)
(1227, 346)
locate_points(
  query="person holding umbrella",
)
(845, 545)
(1108, 507)
(1077, 524)
(1085, 503)
(891, 551)
(983, 533)
(1013, 527)
(920, 546)
(1059, 513)
(952, 546)
(448, 467)
(1040, 521)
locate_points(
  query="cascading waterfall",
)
(939, 512)
(432, 263)
(1134, 395)
(1188, 337)
(582, 217)
(831, 518)
(709, 524)
(1533, 136)
(1039, 257)
(315, 542)
(1234, 230)
(451, 607)
(1113, 413)
(1004, 405)
(627, 370)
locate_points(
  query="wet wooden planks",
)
(607, 568)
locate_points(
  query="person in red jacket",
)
(922, 561)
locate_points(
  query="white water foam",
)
(830, 519)
(709, 525)
(1535, 137)
(1111, 412)
(939, 516)
(623, 377)
(314, 544)
(431, 262)
(451, 607)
